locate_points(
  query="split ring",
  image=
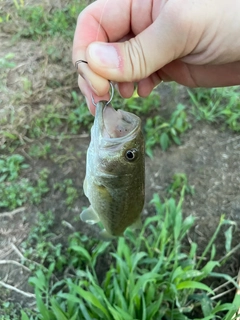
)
(78, 62)
(111, 97)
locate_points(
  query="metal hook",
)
(111, 97)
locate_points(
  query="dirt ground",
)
(208, 156)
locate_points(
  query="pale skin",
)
(142, 42)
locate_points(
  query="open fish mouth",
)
(117, 123)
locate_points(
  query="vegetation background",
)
(184, 263)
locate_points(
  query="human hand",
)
(193, 42)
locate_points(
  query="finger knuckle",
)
(137, 61)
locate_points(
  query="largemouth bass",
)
(115, 171)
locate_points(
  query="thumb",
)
(139, 57)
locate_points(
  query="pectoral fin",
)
(89, 216)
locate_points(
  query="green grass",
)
(38, 23)
(179, 181)
(66, 186)
(217, 105)
(40, 150)
(11, 166)
(52, 120)
(15, 191)
(79, 115)
(155, 275)
(8, 311)
(41, 251)
(164, 132)
(6, 62)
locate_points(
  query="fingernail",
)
(104, 55)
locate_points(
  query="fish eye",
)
(130, 155)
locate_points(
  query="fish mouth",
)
(116, 125)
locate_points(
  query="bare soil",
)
(208, 156)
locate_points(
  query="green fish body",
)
(115, 171)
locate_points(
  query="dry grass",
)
(31, 86)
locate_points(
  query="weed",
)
(6, 62)
(11, 166)
(15, 191)
(164, 132)
(141, 106)
(40, 23)
(19, 4)
(179, 182)
(79, 115)
(40, 150)
(219, 105)
(43, 253)
(17, 194)
(39, 245)
(54, 120)
(71, 192)
(8, 311)
(4, 18)
(153, 276)
(48, 123)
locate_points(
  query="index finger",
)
(105, 21)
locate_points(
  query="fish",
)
(115, 171)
